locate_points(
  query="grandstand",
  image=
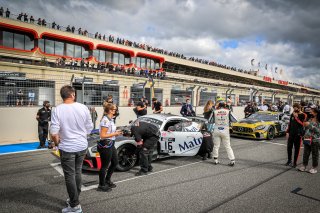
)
(39, 59)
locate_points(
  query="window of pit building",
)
(137, 91)
(146, 63)
(108, 56)
(178, 97)
(243, 100)
(22, 92)
(206, 96)
(95, 94)
(62, 48)
(16, 40)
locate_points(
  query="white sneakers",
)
(304, 169)
(69, 209)
(215, 161)
(313, 171)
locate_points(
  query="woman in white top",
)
(108, 153)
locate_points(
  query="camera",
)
(126, 131)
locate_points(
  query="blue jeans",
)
(71, 163)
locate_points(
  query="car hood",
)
(250, 123)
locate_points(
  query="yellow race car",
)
(261, 125)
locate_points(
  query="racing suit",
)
(221, 133)
(148, 133)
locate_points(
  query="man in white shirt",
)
(70, 124)
(286, 108)
(264, 107)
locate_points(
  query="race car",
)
(261, 125)
(179, 136)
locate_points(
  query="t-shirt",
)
(108, 123)
(141, 112)
(72, 122)
(44, 116)
(157, 105)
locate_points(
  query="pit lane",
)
(258, 183)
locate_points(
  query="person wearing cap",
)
(221, 133)
(43, 117)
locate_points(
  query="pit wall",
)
(19, 125)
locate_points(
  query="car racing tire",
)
(270, 133)
(127, 157)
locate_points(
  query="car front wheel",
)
(271, 133)
(127, 157)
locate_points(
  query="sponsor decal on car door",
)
(181, 143)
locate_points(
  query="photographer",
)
(141, 108)
(146, 135)
(43, 118)
(156, 106)
(106, 149)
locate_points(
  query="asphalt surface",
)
(259, 182)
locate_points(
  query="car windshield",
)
(263, 117)
(151, 120)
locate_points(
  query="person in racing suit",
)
(146, 135)
(221, 133)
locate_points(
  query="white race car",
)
(179, 136)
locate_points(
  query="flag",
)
(275, 69)
(252, 60)
(266, 66)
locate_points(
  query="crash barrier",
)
(19, 125)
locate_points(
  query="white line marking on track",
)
(280, 144)
(37, 150)
(57, 166)
(137, 177)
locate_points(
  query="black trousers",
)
(314, 149)
(109, 161)
(145, 155)
(43, 134)
(293, 141)
(71, 163)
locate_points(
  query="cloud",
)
(280, 32)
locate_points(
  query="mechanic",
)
(221, 132)
(248, 110)
(43, 118)
(70, 125)
(156, 106)
(146, 135)
(106, 149)
(294, 134)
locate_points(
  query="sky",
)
(284, 34)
